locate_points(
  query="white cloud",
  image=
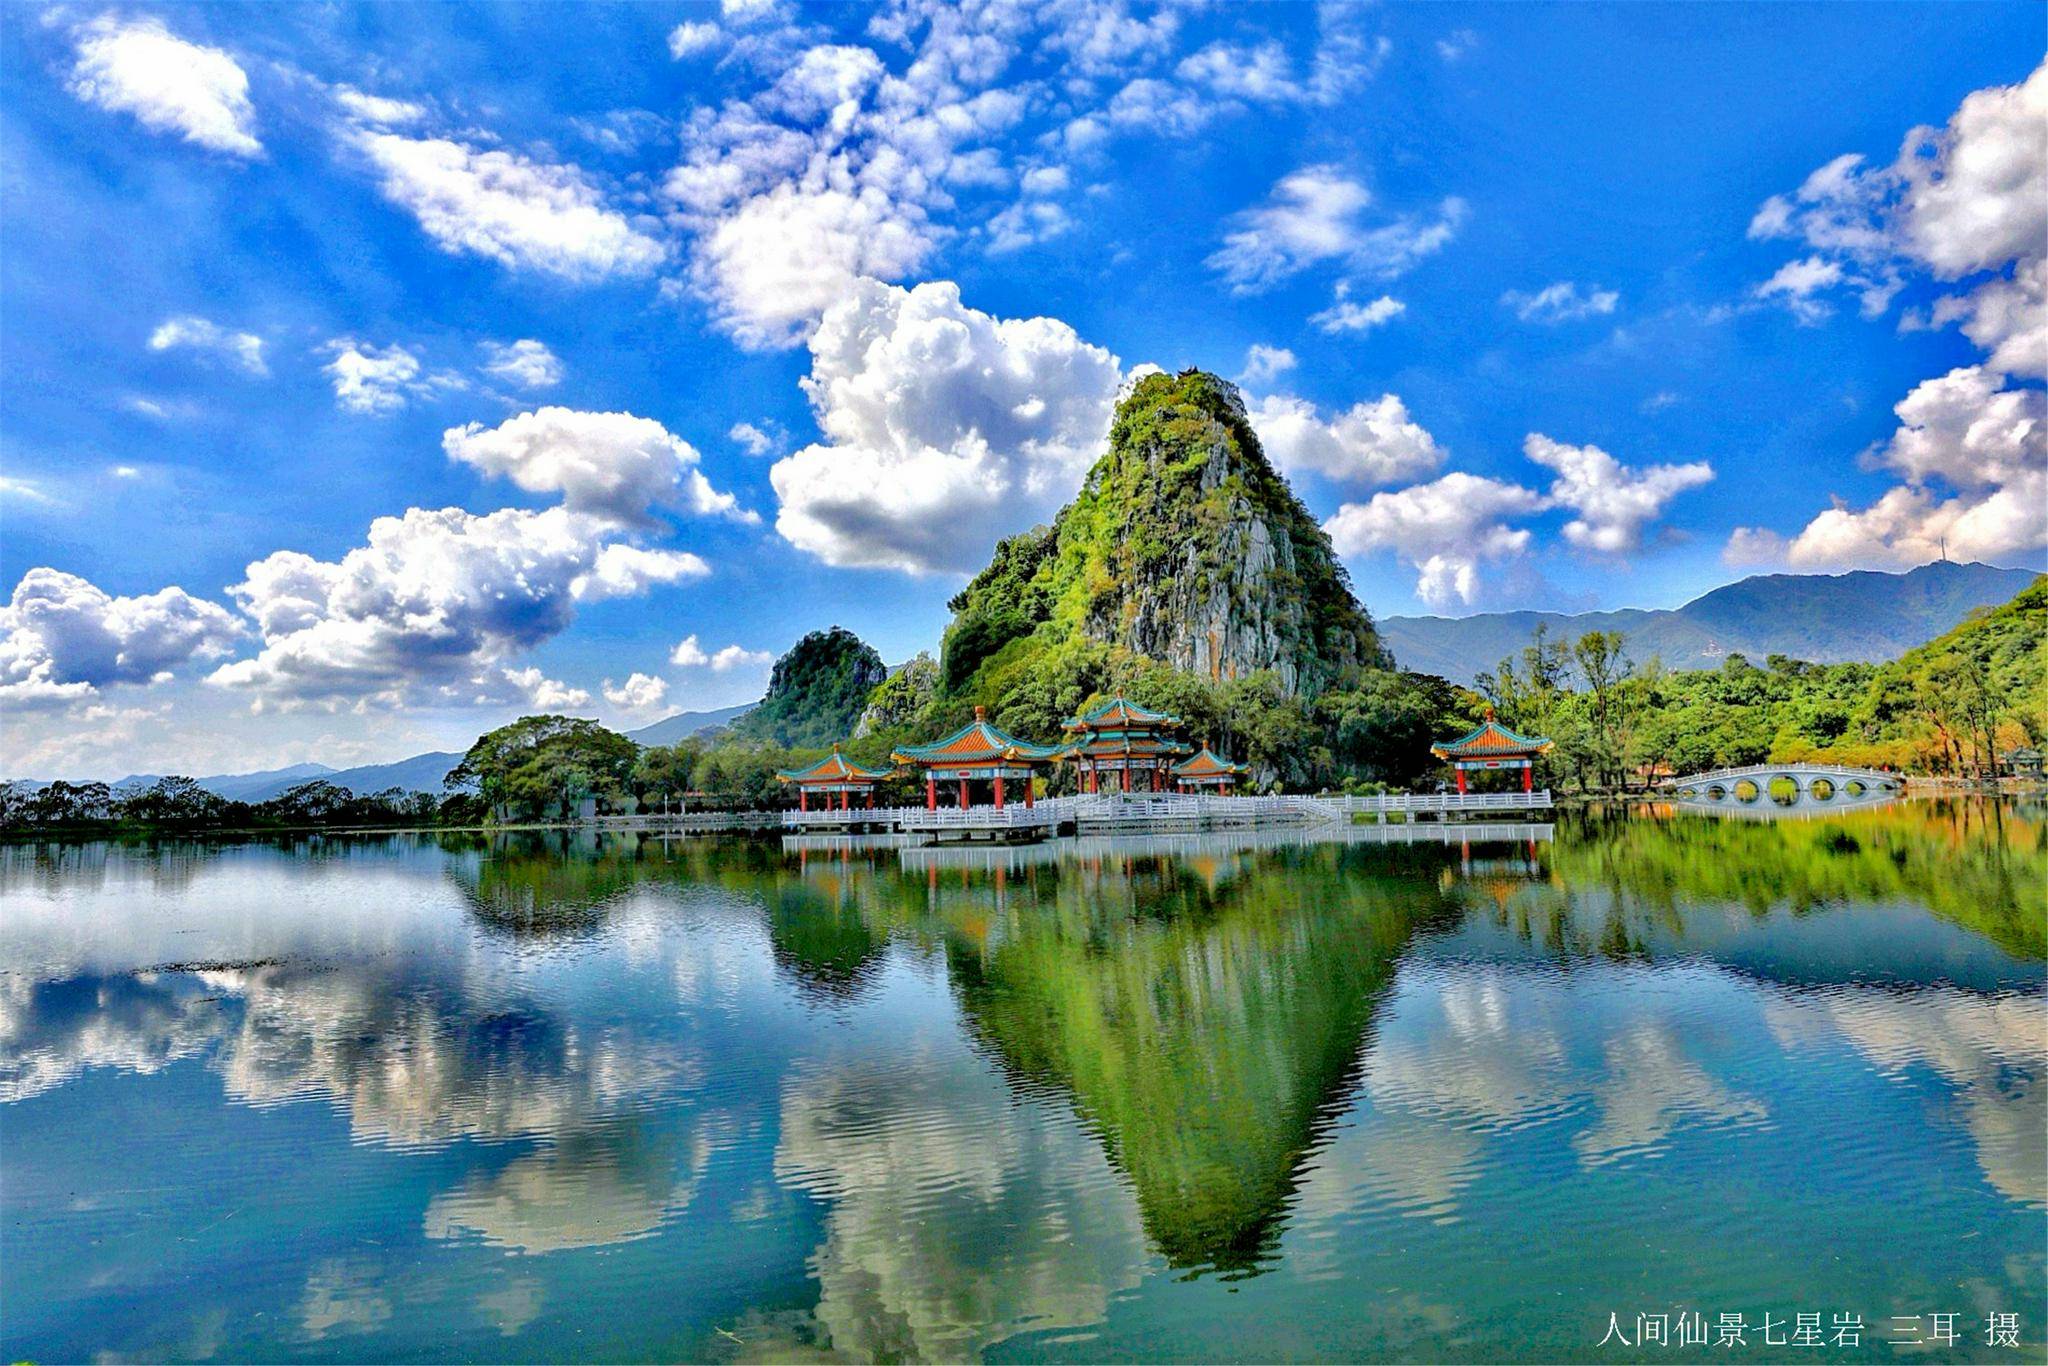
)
(378, 109)
(688, 654)
(1753, 546)
(526, 363)
(25, 490)
(1263, 364)
(1348, 315)
(1958, 202)
(693, 38)
(62, 638)
(1563, 301)
(1313, 216)
(1615, 503)
(1262, 74)
(544, 693)
(431, 606)
(757, 439)
(612, 466)
(139, 67)
(639, 693)
(1027, 223)
(521, 213)
(1454, 45)
(369, 380)
(243, 350)
(1965, 432)
(944, 428)
(1447, 529)
(1800, 285)
(748, 13)
(781, 259)
(1371, 443)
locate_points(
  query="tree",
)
(538, 761)
(1604, 667)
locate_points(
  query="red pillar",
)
(963, 794)
(999, 792)
(871, 799)
(1091, 780)
(1461, 782)
(844, 797)
(803, 799)
(931, 792)
(1127, 777)
(1528, 777)
(1029, 783)
(1155, 781)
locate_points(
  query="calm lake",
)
(1204, 1098)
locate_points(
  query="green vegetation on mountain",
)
(816, 693)
(1185, 546)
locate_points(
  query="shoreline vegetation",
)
(1186, 576)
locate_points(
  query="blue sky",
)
(375, 374)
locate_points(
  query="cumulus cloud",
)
(944, 428)
(640, 692)
(211, 341)
(62, 638)
(689, 654)
(1263, 364)
(611, 466)
(1564, 301)
(1446, 528)
(1027, 223)
(1967, 204)
(1348, 315)
(1313, 216)
(431, 606)
(139, 67)
(1370, 443)
(537, 690)
(526, 363)
(369, 380)
(1957, 202)
(521, 213)
(1614, 502)
(1974, 454)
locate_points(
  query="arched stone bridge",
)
(1783, 789)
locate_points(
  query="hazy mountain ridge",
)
(1866, 616)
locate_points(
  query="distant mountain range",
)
(1822, 618)
(420, 773)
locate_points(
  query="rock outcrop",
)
(1184, 545)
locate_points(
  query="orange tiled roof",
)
(833, 768)
(1207, 765)
(1491, 740)
(975, 742)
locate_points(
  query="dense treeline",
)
(1950, 707)
(179, 803)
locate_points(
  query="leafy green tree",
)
(534, 763)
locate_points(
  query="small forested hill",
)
(1184, 546)
(1860, 617)
(816, 692)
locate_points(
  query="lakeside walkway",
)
(1121, 813)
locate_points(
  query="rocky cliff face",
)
(1185, 546)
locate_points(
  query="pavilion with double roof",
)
(1492, 746)
(978, 752)
(1118, 739)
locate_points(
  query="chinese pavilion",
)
(1206, 770)
(1119, 738)
(1493, 745)
(835, 773)
(977, 752)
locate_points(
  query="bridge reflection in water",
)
(1773, 790)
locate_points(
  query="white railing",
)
(1166, 809)
(1423, 803)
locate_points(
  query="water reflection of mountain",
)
(1203, 1032)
